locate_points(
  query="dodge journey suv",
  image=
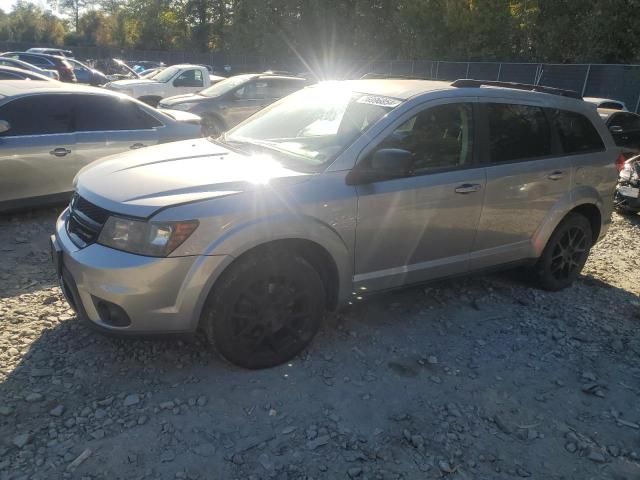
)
(338, 189)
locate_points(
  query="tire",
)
(212, 126)
(265, 309)
(565, 254)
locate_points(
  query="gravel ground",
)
(477, 378)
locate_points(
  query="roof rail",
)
(469, 83)
(388, 76)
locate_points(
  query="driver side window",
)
(438, 138)
(190, 78)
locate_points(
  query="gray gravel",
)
(477, 378)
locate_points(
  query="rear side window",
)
(9, 76)
(517, 132)
(38, 115)
(576, 132)
(114, 114)
(34, 60)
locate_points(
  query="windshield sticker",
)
(379, 101)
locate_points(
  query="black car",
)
(47, 62)
(625, 129)
(234, 99)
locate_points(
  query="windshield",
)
(225, 86)
(166, 74)
(315, 124)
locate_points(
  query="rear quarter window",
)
(576, 132)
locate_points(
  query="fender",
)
(581, 195)
(245, 236)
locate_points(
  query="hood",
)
(140, 182)
(131, 83)
(187, 98)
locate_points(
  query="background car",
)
(52, 51)
(150, 72)
(48, 62)
(86, 74)
(11, 73)
(606, 103)
(234, 99)
(140, 66)
(49, 130)
(12, 62)
(625, 129)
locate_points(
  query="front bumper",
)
(159, 295)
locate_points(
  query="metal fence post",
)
(468, 67)
(499, 71)
(437, 68)
(586, 79)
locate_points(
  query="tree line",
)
(565, 31)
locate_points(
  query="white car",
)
(173, 80)
(606, 103)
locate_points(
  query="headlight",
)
(145, 238)
(181, 106)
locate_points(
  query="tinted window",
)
(439, 138)
(281, 87)
(627, 121)
(35, 60)
(10, 76)
(611, 105)
(103, 113)
(191, 78)
(254, 90)
(576, 132)
(38, 114)
(517, 132)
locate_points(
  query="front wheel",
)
(565, 254)
(265, 309)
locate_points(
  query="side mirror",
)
(386, 164)
(4, 126)
(616, 129)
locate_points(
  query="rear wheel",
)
(265, 309)
(565, 254)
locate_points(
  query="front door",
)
(423, 225)
(37, 153)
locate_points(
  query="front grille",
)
(85, 221)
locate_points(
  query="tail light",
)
(620, 161)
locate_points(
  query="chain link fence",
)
(620, 82)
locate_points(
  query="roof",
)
(606, 113)
(397, 88)
(24, 87)
(598, 100)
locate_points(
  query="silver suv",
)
(340, 189)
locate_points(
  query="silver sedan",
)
(50, 130)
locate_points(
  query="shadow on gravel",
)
(478, 377)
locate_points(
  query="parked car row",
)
(49, 130)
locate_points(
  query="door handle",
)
(468, 188)
(136, 146)
(60, 151)
(557, 175)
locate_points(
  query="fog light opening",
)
(112, 314)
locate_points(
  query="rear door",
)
(37, 154)
(526, 177)
(107, 125)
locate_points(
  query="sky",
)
(7, 5)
